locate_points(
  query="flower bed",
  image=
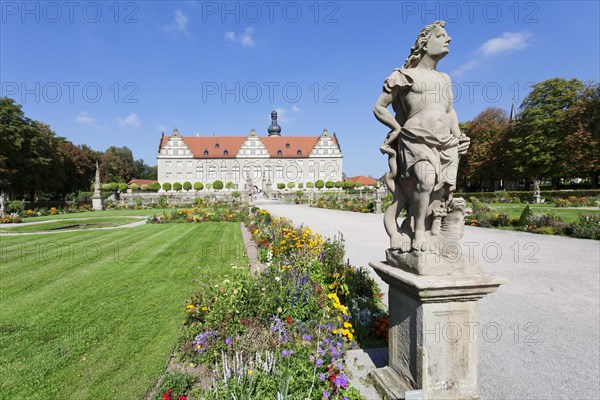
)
(345, 204)
(283, 332)
(547, 223)
(203, 212)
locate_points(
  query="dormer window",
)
(216, 145)
(299, 152)
(225, 152)
(287, 145)
(279, 152)
(205, 152)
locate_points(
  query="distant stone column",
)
(97, 203)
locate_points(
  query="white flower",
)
(277, 278)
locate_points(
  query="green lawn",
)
(567, 214)
(95, 314)
(69, 224)
(103, 213)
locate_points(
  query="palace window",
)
(188, 164)
(179, 164)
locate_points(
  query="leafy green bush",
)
(291, 185)
(155, 186)
(586, 227)
(329, 184)
(162, 201)
(526, 216)
(217, 185)
(198, 186)
(138, 201)
(310, 185)
(134, 186)
(15, 206)
(177, 186)
(144, 187)
(281, 186)
(319, 184)
(187, 185)
(122, 186)
(166, 186)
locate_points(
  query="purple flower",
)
(308, 338)
(227, 341)
(285, 353)
(322, 377)
(319, 362)
(341, 381)
(326, 394)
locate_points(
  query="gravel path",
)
(6, 231)
(539, 335)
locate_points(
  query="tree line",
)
(35, 161)
(554, 137)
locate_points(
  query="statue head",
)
(418, 50)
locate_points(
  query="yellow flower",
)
(250, 372)
(347, 325)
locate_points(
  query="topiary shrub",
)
(329, 184)
(281, 186)
(134, 186)
(155, 186)
(187, 185)
(526, 216)
(217, 185)
(166, 186)
(198, 186)
(122, 186)
(319, 184)
(144, 187)
(310, 185)
(177, 186)
(291, 185)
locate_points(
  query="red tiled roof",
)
(363, 180)
(215, 145)
(289, 145)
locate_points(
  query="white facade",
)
(274, 159)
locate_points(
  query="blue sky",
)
(118, 73)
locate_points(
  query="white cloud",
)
(245, 39)
(282, 115)
(295, 108)
(181, 20)
(132, 120)
(84, 118)
(179, 24)
(505, 43)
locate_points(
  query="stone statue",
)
(536, 188)
(423, 147)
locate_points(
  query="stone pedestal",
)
(432, 333)
(537, 199)
(97, 204)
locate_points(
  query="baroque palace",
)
(264, 160)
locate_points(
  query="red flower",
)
(289, 320)
(167, 395)
(181, 397)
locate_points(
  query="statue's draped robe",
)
(418, 144)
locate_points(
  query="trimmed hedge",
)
(528, 195)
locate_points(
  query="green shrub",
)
(291, 185)
(310, 185)
(144, 187)
(134, 186)
(15, 206)
(122, 186)
(177, 186)
(187, 185)
(281, 186)
(217, 185)
(300, 185)
(162, 201)
(329, 184)
(138, 201)
(174, 385)
(526, 216)
(236, 194)
(166, 186)
(198, 186)
(586, 227)
(155, 186)
(319, 184)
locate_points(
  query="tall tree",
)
(581, 145)
(542, 127)
(485, 162)
(117, 164)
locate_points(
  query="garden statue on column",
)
(537, 193)
(423, 147)
(432, 284)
